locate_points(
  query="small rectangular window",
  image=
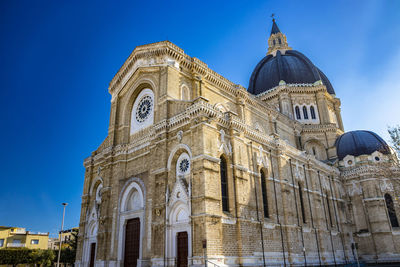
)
(1, 242)
(17, 241)
(35, 241)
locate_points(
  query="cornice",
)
(201, 108)
(197, 67)
(300, 88)
(366, 170)
(173, 52)
(312, 128)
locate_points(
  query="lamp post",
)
(60, 235)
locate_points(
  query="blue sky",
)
(57, 58)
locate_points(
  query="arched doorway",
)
(90, 244)
(178, 246)
(131, 224)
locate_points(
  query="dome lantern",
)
(277, 40)
(282, 63)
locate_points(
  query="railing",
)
(215, 265)
(15, 245)
(19, 231)
(178, 106)
(37, 233)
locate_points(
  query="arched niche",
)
(179, 213)
(95, 184)
(316, 148)
(175, 153)
(185, 93)
(132, 198)
(98, 193)
(127, 98)
(92, 229)
(220, 107)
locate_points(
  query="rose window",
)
(184, 165)
(144, 108)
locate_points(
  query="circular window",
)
(144, 108)
(377, 158)
(350, 162)
(183, 164)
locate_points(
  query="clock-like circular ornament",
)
(144, 108)
(184, 165)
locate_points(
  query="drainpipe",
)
(297, 214)
(312, 219)
(255, 192)
(337, 221)
(238, 233)
(191, 213)
(326, 219)
(277, 210)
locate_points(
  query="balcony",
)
(15, 245)
(18, 231)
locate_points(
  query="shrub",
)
(43, 257)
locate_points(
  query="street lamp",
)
(60, 235)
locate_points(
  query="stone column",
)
(338, 113)
(285, 105)
(322, 108)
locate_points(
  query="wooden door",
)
(182, 253)
(132, 242)
(92, 254)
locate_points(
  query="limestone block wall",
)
(312, 217)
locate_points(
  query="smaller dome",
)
(358, 143)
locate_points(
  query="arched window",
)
(297, 111)
(312, 111)
(274, 42)
(224, 185)
(303, 213)
(279, 40)
(392, 213)
(185, 93)
(264, 195)
(305, 113)
(142, 113)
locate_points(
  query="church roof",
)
(284, 64)
(291, 67)
(358, 143)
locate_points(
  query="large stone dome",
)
(290, 66)
(358, 143)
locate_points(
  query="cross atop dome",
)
(277, 40)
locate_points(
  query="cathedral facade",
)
(199, 171)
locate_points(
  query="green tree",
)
(73, 241)
(42, 257)
(14, 256)
(394, 133)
